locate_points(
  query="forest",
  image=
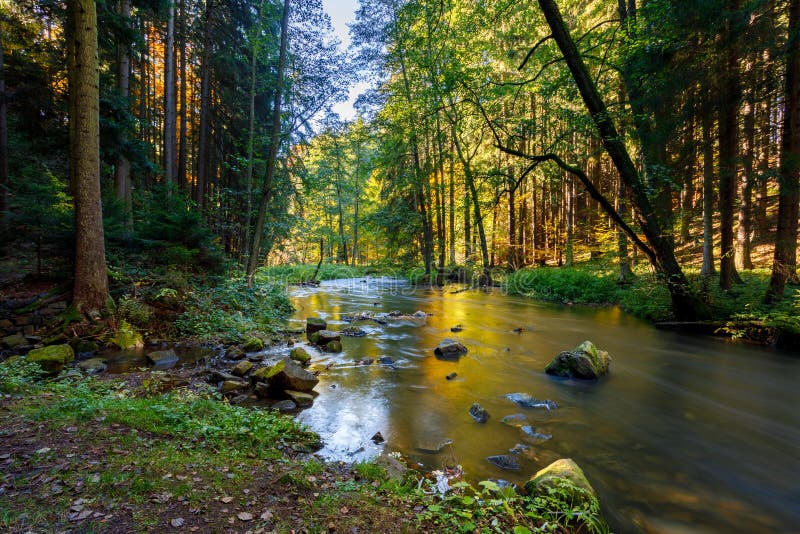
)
(171, 169)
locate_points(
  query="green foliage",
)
(492, 508)
(231, 310)
(565, 285)
(299, 273)
(18, 374)
(369, 471)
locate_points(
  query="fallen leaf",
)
(43, 450)
(177, 522)
(267, 516)
(245, 516)
(344, 509)
(226, 500)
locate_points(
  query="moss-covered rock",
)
(14, 340)
(52, 359)
(253, 344)
(585, 362)
(300, 398)
(332, 346)
(93, 366)
(242, 368)
(300, 355)
(556, 474)
(315, 324)
(126, 337)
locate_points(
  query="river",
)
(686, 434)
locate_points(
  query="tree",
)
(91, 283)
(274, 139)
(784, 265)
(3, 149)
(170, 103)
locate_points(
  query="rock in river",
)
(449, 349)
(433, 445)
(242, 368)
(515, 420)
(93, 366)
(315, 324)
(527, 401)
(286, 374)
(531, 436)
(300, 398)
(505, 461)
(162, 357)
(300, 355)
(585, 362)
(479, 413)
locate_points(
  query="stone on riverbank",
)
(551, 476)
(300, 398)
(286, 374)
(12, 341)
(242, 368)
(52, 359)
(230, 386)
(162, 357)
(585, 362)
(253, 344)
(93, 366)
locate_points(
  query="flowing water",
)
(687, 434)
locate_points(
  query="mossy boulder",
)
(333, 346)
(253, 344)
(234, 386)
(300, 398)
(12, 341)
(84, 346)
(585, 362)
(563, 474)
(242, 368)
(287, 374)
(52, 359)
(300, 355)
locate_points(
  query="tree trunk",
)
(708, 269)
(4, 206)
(730, 94)
(170, 108)
(183, 145)
(91, 283)
(204, 144)
(784, 265)
(743, 231)
(251, 134)
(452, 212)
(272, 155)
(122, 167)
(685, 304)
(625, 271)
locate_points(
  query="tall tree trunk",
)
(122, 167)
(204, 143)
(708, 269)
(251, 135)
(685, 304)
(274, 141)
(4, 205)
(511, 202)
(91, 283)
(784, 265)
(183, 145)
(451, 206)
(730, 95)
(569, 218)
(170, 102)
(625, 271)
(354, 252)
(743, 231)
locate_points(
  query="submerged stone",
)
(530, 435)
(433, 445)
(449, 349)
(515, 420)
(504, 461)
(527, 401)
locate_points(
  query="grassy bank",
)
(646, 296)
(155, 452)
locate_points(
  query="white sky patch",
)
(342, 13)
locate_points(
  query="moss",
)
(300, 355)
(52, 359)
(253, 344)
(126, 337)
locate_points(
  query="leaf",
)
(245, 516)
(177, 522)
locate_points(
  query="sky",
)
(342, 12)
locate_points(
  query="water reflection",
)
(686, 432)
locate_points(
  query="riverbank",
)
(152, 451)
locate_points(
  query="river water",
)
(686, 434)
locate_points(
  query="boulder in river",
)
(555, 474)
(479, 413)
(53, 358)
(531, 436)
(332, 346)
(315, 324)
(585, 362)
(353, 331)
(386, 360)
(323, 337)
(242, 368)
(527, 401)
(286, 374)
(253, 344)
(162, 358)
(300, 398)
(504, 461)
(433, 445)
(449, 349)
(300, 355)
